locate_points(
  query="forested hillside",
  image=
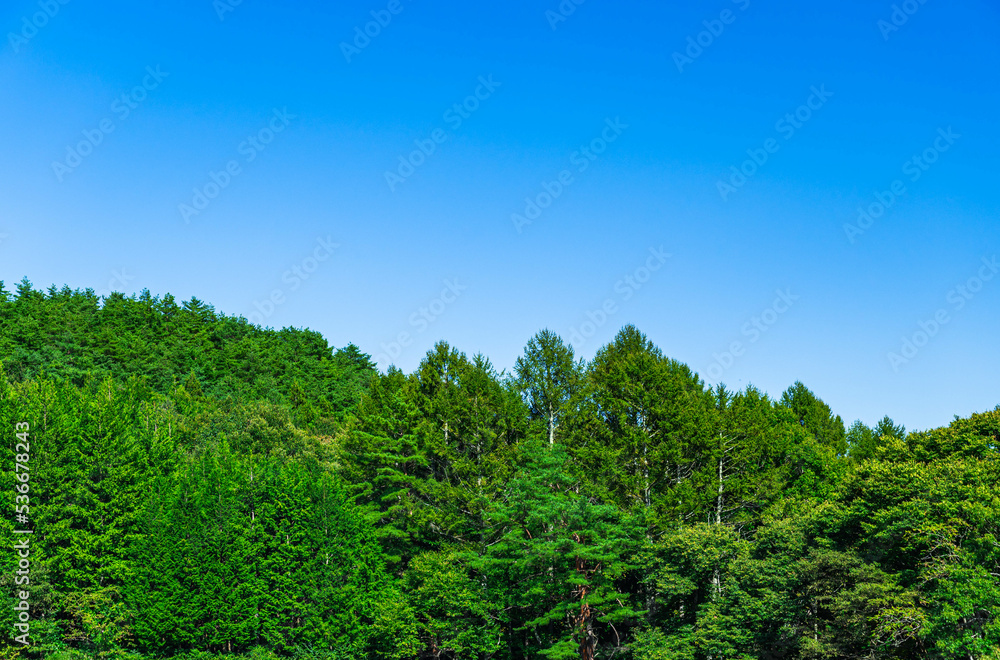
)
(201, 487)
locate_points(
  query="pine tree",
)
(557, 561)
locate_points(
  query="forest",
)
(198, 487)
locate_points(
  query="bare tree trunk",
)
(718, 499)
(645, 474)
(552, 427)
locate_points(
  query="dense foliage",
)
(203, 487)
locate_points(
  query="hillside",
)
(73, 335)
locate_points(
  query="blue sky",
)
(625, 121)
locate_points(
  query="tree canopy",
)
(201, 487)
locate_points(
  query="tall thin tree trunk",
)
(716, 575)
(552, 428)
(718, 499)
(645, 474)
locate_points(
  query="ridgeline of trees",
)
(201, 487)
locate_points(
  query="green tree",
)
(548, 377)
(242, 552)
(644, 434)
(556, 564)
(816, 417)
(454, 618)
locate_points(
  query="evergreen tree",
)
(548, 377)
(816, 417)
(556, 564)
(644, 437)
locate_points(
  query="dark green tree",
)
(555, 567)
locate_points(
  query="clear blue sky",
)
(88, 214)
